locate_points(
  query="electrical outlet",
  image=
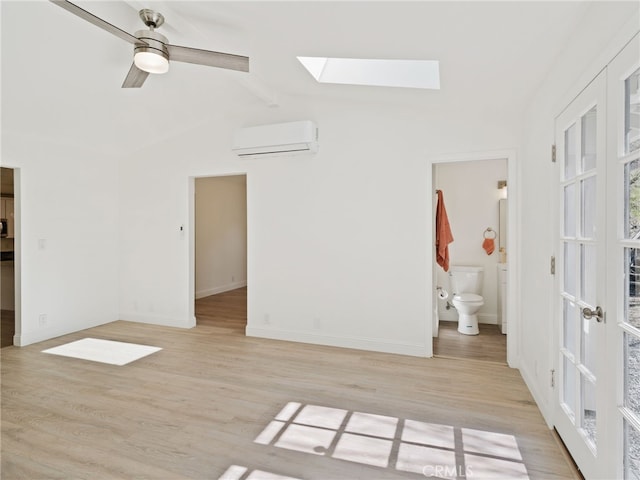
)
(267, 319)
(42, 320)
(317, 323)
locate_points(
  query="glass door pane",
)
(589, 425)
(589, 145)
(632, 112)
(632, 452)
(632, 374)
(570, 312)
(632, 199)
(570, 152)
(588, 198)
(569, 397)
(632, 287)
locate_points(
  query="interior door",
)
(581, 295)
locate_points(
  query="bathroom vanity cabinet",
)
(502, 297)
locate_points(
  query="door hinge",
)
(553, 265)
(553, 378)
(553, 153)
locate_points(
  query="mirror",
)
(502, 233)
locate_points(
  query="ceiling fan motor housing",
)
(151, 18)
(155, 43)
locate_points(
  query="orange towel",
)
(489, 245)
(443, 234)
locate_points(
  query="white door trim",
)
(191, 233)
(513, 246)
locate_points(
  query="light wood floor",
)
(226, 310)
(490, 345)
(194, 409)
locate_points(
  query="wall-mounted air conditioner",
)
(292, 137)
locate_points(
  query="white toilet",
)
(466, 284)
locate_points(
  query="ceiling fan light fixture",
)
(150, 60)
(151, 56)
(152, 50)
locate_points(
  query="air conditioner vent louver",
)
(278, 138)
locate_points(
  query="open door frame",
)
(513, 246)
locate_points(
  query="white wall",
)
(471, 197)
(67, 203)
(603, 31)
(220, 234)
(339, 242)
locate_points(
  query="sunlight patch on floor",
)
(103, 351)
(428, 449)
(237, 472)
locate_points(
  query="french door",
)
(598, 282)
(580, 147)
(624, 252)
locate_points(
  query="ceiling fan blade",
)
(97, 21)
(207, 57)
(135, 78)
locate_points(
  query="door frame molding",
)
(513, 246)
(191, 232)
(17, 254)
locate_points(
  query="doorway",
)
(7, 257)
(473, 192)
(220, 257)
(467, 183)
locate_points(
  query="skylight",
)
(375, 72)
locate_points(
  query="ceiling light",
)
(150, 61)
(151, 56)
(375, 72)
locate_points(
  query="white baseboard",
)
(23, 339)
(158, 320)
(415, 350)
(448, 315)
(488, 318)
(224, 288)
(485, 318)
(543, 405)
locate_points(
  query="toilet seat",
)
(468, 297)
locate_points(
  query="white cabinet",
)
(502, 297)
(7, 211)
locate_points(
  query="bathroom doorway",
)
(476, 193)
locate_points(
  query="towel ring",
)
(489, 231)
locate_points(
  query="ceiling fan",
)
(152, 50)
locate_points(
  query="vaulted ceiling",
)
(61, 76)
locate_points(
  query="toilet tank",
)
(466, 279)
